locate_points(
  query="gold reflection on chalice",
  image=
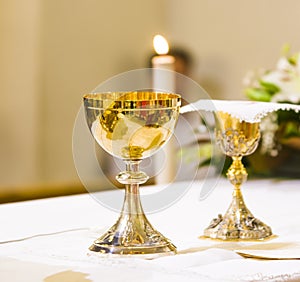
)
(132, 126)
(237, 139)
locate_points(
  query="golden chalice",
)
(237, 139)
(132, 126)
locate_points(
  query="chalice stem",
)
(132, 233)
(132, 177)
(132, 221)
(132, 203)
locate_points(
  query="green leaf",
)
(205, 163)
(293, 59)
(270, 87)
(258, 94)
(291, 129)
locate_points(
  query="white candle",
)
(164, 80)
(166, 62)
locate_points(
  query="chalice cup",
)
(236, 139)
(132, 126)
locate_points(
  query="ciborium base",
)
(132, 235)
(238, 223)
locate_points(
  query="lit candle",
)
(164, 80)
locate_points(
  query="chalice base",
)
(133, 235)
(238, 223)
(226, 230)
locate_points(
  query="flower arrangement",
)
(279, 85)
(279, 150)
(280, 130)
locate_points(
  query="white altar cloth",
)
(48, 240)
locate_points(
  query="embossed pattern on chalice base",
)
(236, 139)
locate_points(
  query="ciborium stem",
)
(237, 173)
(237, 139)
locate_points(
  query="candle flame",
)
(160, 44)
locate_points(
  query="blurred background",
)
(52, 52)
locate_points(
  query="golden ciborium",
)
(132, 126)
(236, 139)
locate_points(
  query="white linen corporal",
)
(248, 111)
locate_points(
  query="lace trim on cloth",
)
(248, 111)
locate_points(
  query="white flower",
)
(281, 84)
(284, 65)
(276, 77)
(292, 97)
(287, 78)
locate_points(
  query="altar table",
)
(48, 239)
